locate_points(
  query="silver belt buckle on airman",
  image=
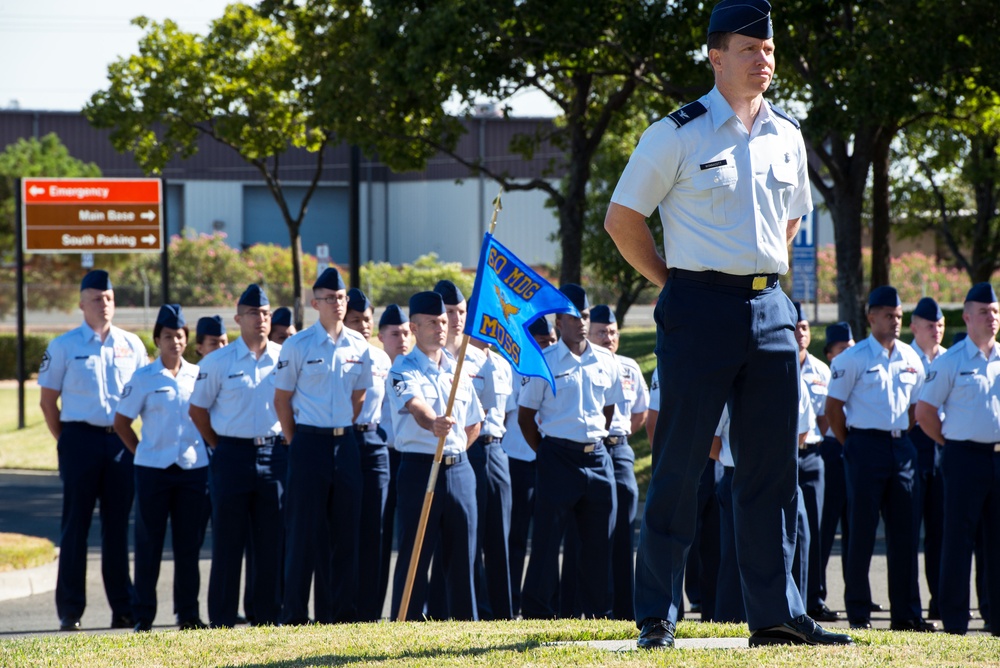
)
(759, 282)
(996, 447)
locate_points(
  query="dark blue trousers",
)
(622, 544)
(248, 488)
(930, 513)
(971, 473)
(180, 495)
(812, 483)
(389, 528)
(800, 566)
(747, 357)
(729, 590)
(881, 477)
(571, 482)
(452, 520)
(322, 499)
(701, 571)
(493, 502)
(522, 507)
(95, 468)
(834, 510)
(375, 490)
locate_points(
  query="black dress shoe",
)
(860, 624)
(919, 625)
(193, 624)
(122, 621)
(824, 614)
(875, 607)
(69, 624)
(800, 631)
(143, 627)
(656, 634)
(240, 619)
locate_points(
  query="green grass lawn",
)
(507, 644)
(29, 448)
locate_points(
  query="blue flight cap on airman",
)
(602, 315)
(540, 327)
(958, 337)
(577, 295)
(839, 332)
(928, 309)
(450, 292)
(254, 296)
(392, 315)
(428, 303)
(743, 17)
(330, 279)
(211, 325)
(981, 292)
(884, 295)
(282, 317)
(96, 279)
(171, 315)
(799, 314)
(357, 301)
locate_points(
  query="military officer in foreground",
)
(88, 368)
(963, 385)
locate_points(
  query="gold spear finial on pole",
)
(497, 207)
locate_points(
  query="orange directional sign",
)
(92, 215)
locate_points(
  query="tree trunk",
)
(571, 212)
(299, 309)
(881, 258)
(846, 214)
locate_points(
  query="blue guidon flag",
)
(507, 297)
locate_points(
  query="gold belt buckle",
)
(759, 282)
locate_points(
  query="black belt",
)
(895, 433)
(616, 440)
(322, 431)
(446, 460)
(756, 282)
(489, 440)
(257, 441)
(91, 427)
(806, 448)
(976, 445)
(572, 445)
(365, 428)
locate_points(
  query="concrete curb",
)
(28, 581)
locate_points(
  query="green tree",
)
(387, 69)
(242, 85)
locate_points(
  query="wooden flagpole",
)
(425, 511)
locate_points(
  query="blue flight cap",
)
(884, 295)
(839, 332)
(171, 315)
(210, 326)
(577, 295)
(981, 292)
(958, 337)
(330, 279)
(743, 17)
(282, 317)
(602, 315)
(540, 327)
(429, 303)
(357, 301)
(452, 295)
(799, 315)
(96, 279)
(392, 315)
(928, 309)
(254, 295)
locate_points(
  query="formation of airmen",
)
(309, 452)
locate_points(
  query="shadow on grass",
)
(344, 660)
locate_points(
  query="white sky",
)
(54, 54)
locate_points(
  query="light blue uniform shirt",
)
(923, 356)
(584, 386)
(725, 195)
(371, 409)
(816, 376)
(323, 374)
(877, 388)
(654, 392)
(964, 383)
(722, 431)
(89, 375)
(237, 390)
(414, 375)
(636, 396)
(162, 400)
(386, 416)
(513, 441)
(495, 374)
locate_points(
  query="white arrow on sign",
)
(36, 190)
(149, 239)
(148, 215)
